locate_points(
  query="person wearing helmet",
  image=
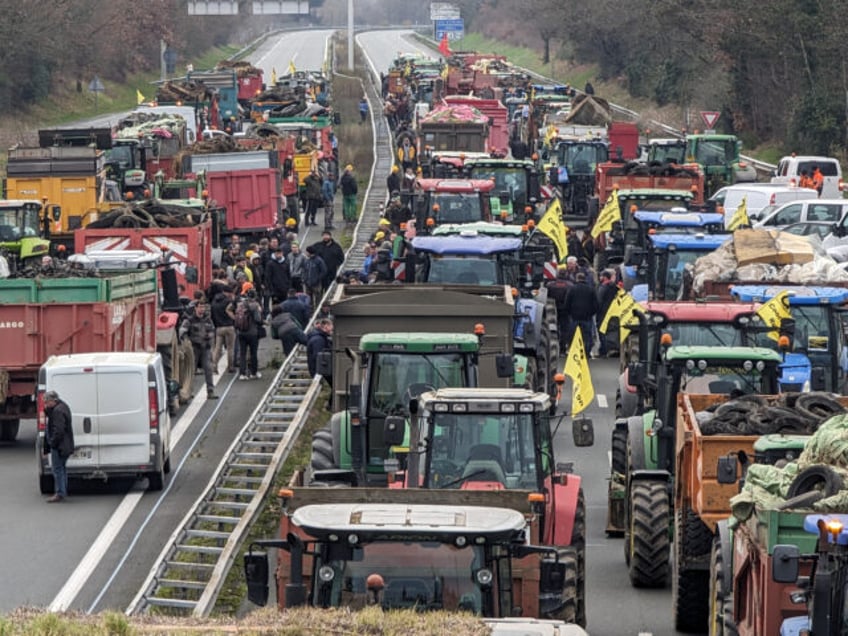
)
(393, 180)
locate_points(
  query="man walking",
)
(200, 329)
(59, 442)
(349, 192)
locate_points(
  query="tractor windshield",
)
(707, 334)
(457, 208)
(667, 153)
(467, 271)
(716, 152)
(670, 283)
(511, 180)
(812, 330)
(19, 222)
(490, 447)
(421, 575)
(581, 159)
(393, 373)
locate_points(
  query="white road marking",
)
(602, 401)
(78, 578)
(609, 457)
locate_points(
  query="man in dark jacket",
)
(320, 339)
(277, 276)
(581, 305)
(393, 181)
(286, 329)
(313, 196)
(557, 291)
(296, 307)
(225, 333)
(248, 333)
(59, 442)
(200, 330)
(349, 191)
(314, 273)
(332, 254)
(607, 292)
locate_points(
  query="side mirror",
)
(636, 373)
(256, 575)
(727, 472)
(784, 563)
(583, 432)
(324, 363)
(394, 430)
(191, 274)
(56, 212)
(505, 365)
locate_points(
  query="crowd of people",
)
(261, 289)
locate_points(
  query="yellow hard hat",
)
(385, 222)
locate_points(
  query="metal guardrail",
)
(191, 569)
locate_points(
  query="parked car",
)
(818, 210)
(758, 197)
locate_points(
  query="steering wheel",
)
(443, 471)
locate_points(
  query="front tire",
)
(690, 587)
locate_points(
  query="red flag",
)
(444, 47)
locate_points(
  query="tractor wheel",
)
(648, 533)
(530, 376)
(569, 609)
(578, 542)
(322, 450)
(619, 450)
(9, 430)
(721, 603)
(690, 588)
(544, 378)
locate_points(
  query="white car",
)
(759, 197)
(816, 210)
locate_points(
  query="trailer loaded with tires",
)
(748, 591)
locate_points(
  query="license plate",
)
(81, 453)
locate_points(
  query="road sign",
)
(455, 29)
(444, 11)
(96, 86)
(710, 117)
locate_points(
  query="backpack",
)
(243, 317)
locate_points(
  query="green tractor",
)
(641, 492)
(718, 156)
(369, 438)
(516, 186)
(20, 241)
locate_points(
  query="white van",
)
(819, 210)
(119, 409)
(789, 171)
(758, 197)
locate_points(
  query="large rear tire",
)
(323, 450)
(690, 587)
(9, 430)
(619, 450)
(569, 609)
(648, 533)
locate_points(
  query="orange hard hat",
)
(246, 287)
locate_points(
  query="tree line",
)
(776, 70)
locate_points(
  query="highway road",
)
(614, 608)
(93, 552)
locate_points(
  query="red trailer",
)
(251, 197)
(188, 247)
(67, 315)
(498, 120)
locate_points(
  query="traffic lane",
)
(40, 543)
(125, 566)
(304, 49)
(611, 599)
(383, 47)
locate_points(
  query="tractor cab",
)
(516, 186)
(20, 224)
(441, 201)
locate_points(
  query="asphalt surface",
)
(51, 555)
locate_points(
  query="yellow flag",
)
(273, 76)
(292, 69)
(774, 312)
(445, 72)
(552, 226)
(577, 368)
(740, 217)
(139, 98)
(623, 307)
(609, 215)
